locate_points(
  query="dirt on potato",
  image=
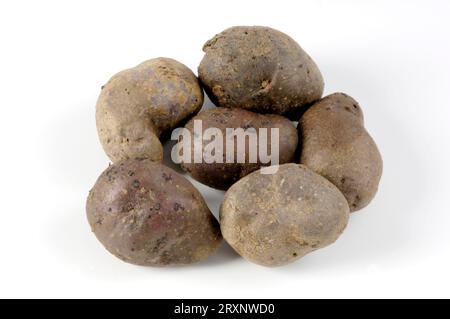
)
(139, 106)
(259, 69)
(273, 220)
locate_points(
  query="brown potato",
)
(275, 219)
(223, 175)
(259, 69)
(337, 146)
(140, 105)
(147, 214)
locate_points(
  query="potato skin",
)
(223, 175)
(336, 145)
(147, 214)
(259, 69)
(140, 105)
(275, 219)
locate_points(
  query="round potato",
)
(140, 105)
(259, 69)
(147, 214)
(336, 145)
(222, 174)
(275, 219)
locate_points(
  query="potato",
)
(147, 214)
(275, 219)
(140, 105)
(337, 146)
(223, 175)
(259, 69)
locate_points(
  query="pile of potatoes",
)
(329, 166)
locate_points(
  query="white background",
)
(392, 56)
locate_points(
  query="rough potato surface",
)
(336, 145)
(275, 219)
(259, 69)
(223, 175)
(138, 106)
(147, 214)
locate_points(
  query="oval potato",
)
(147, 214)
(336, 145)
(222, 175)
(259, 69)
(273, 220)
